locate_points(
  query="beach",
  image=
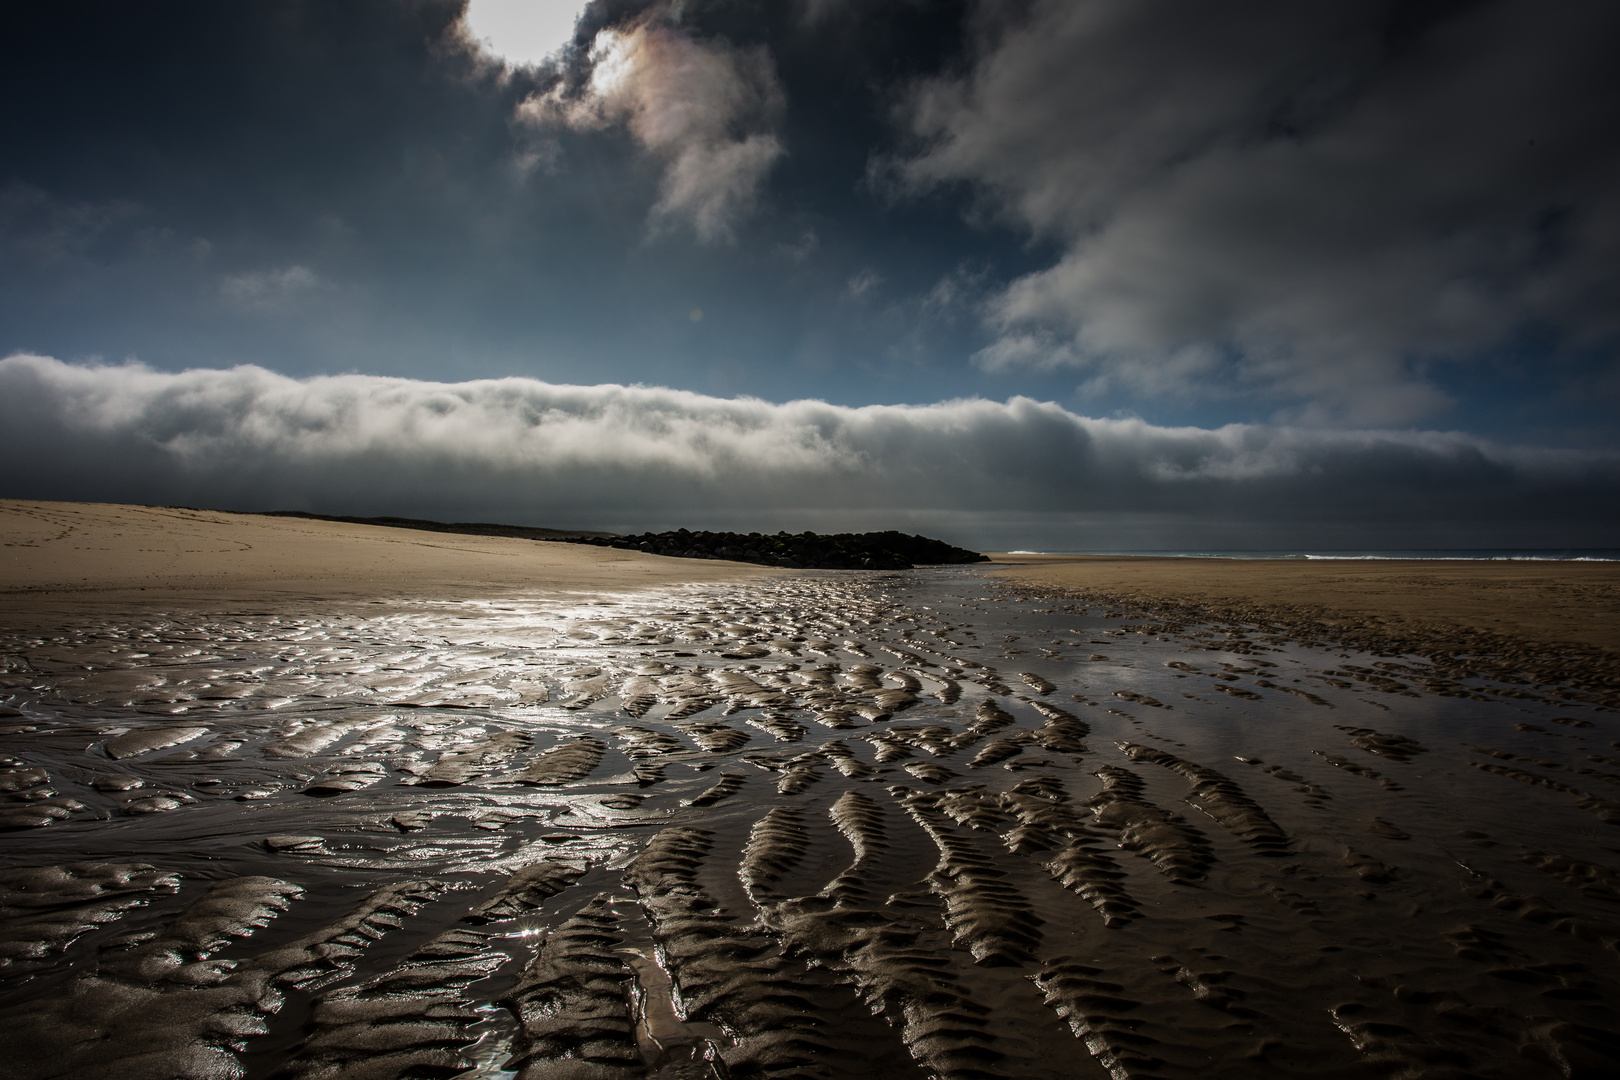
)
(1576, 602)
(287, 798)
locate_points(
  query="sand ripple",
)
(836, 825)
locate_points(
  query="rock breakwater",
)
(807, 550)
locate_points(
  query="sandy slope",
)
(56, 553)
(1540, 601)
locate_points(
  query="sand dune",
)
(89, 553)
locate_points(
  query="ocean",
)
(1462, 554)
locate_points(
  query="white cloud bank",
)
(1019, 473)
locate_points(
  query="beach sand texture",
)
(611, 823)
(1539, 601)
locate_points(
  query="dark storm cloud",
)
(1328, 201)
(632, 457)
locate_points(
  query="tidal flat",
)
(830, 824)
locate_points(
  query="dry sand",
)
(74, 556)
(1543, 602)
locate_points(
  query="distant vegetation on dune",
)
(837, 551)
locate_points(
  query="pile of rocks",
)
(839, 551)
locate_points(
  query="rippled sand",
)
(819, 825)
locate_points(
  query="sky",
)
(1057, 274)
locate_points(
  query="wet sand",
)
(808, 825)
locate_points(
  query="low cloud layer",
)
(1019, 473)
(703, 108)
(1325, 203)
